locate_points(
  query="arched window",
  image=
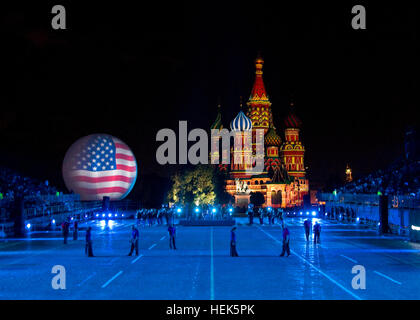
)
(276, 197)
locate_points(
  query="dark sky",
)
(131, 70)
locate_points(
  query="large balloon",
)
(100, 165)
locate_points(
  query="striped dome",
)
(241, 123)
(272, 138)
(292, 121)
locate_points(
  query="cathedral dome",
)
(292, 121)
(272, 139)
(241, 123)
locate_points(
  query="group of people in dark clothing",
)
(272, 214)
(159, 214)
(285, 237)
(316, 230)
(149, 217)
(65, 228)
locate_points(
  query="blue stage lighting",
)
(214, 210)
(197, 209)
(28, 226)
(97, 214)
(313, 213)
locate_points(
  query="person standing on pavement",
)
(286, 242)
(172, 234)
(251, 214)
(233, 252)
(65, 229)
(75, 229)
(307, 225)
(134, 240)
(317, 232)
(88, 247)
(261, 215)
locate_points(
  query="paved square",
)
(201, 267)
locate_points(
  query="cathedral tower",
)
(292, 150)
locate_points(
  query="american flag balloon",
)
(100, 165)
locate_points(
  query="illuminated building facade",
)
(349, 177)
(283, 181)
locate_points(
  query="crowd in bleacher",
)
(14, 184)
(400, 178)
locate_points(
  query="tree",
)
(219, 180)
(193, 186)
(257, 199)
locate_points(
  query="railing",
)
(54, 198)
(370, 199)
(77, 206)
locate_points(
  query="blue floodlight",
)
(97, 215)
(179, 210)
(122, 215)
(314, 213)
(307, 213)
(213, 210)
(230, 209)
(197, 209)
(357, 219)
(103, 214)
(28, 226)
(269, 208)
(71, 218)
(53, 221)
(116, 215)
(301, 213)
(110, 215)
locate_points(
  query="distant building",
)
(349, 177)
(283, 181)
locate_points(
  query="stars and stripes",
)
(100, 165)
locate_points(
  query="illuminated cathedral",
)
(283, 181)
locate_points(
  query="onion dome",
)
(241, 123)
(292, 121)
(217, 124)
(272, 139)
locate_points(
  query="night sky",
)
(131, 70)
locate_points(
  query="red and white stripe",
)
(112, 183)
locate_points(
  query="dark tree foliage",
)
(257, 199)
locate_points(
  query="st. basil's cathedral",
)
(283, 181)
